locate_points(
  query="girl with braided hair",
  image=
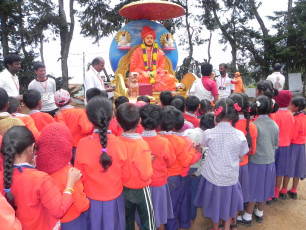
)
(101, 159)
(241, 104)
(219, 191)
(261, 163)
(38, 202)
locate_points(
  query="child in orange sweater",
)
(34, 194)
(102, 168)
(74, 118)
(139, 169)
(53, 156)
(183, 159)
(164, 158)
(32, 100)
(15, 110)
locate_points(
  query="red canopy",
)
(151, 10)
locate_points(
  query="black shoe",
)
(259, 219)
(274, 199)
(283, 196)
(268, 202)
(244, 222)
(293, 195)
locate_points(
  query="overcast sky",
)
(80, 45)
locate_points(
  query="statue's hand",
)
(145, 74)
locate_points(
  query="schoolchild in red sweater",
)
(194, 150)
(191, 107)
(242, 105)
(74, 118)
(285, 121)
(183, 159)
(93, 92)
(295, 165)
(32, 100)
(8, 219)
(53, 157)
(38, 202)
(113, 126)
(15, 110)
(139, 169)
(164, 158)
(101, 160)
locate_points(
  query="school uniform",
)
(138, 174)
(285, 121)
(297, 165)
(39, 202)
(164, 158)
(192, 118)
(103, 188)
(262, 163)
(219, 192)
(29, 123)
(8, 219)
(41, 119)
(183, 159)
(185, 207)
(76, 217)
(243, 165)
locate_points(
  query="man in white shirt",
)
(8, 78)
(93, 77)
(276, 77)
(46, 87)
(225, 85)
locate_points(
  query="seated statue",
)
(149, 61)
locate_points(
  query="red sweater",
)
(241, 125)
(192, 119)
(285, 121)
(30, 124)
(138, 171)
(7, 216)
(183, 157)
(299, 130)
(81, 203)
(191, 150)
(117, 130)
(164, 158)
(41, 119)
(100, 185)
(78, 123)
(40, 204)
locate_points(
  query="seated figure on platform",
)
(149, 61)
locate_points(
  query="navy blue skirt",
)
(219, 202)
(107, 215)
(244, 182)
(282, 161)
(297, 161)
(262, 181)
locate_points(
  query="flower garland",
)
(152, 67)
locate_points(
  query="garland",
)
(152, 67)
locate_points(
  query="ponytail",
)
(247, 129)
(105, 159)
(14, 142)
(99, 111)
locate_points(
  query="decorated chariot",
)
(144, 54)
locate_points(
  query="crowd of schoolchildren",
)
(109, 166)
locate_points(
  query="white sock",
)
(247, 216)
(258, 213)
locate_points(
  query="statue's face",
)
(149, 40)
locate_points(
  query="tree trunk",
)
(265, 35)
(190, 34)
(66, 33)
(41, 48)
(4, 34)
(289, 43)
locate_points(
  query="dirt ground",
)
(283, 215)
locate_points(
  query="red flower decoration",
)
(237, 107)
(218, 111)
(249, 109)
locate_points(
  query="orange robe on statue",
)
(163, 80)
